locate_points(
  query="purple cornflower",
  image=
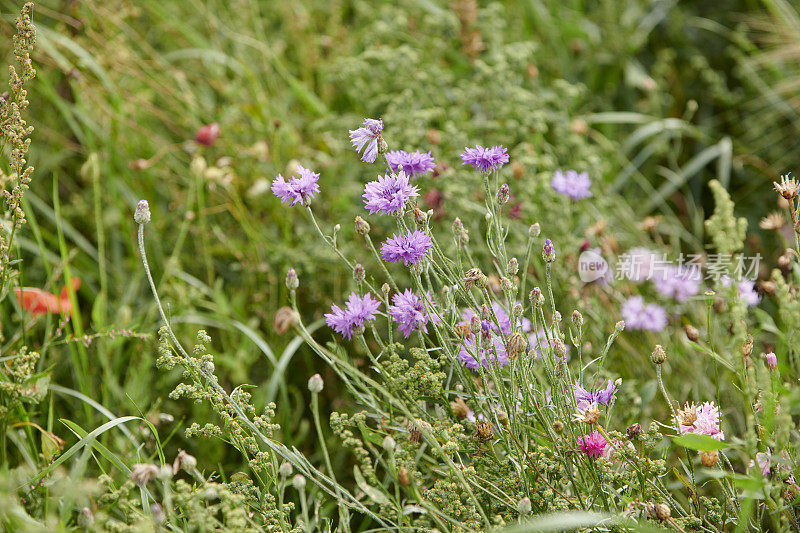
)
(638, 315)
(492, 349)
(297, 189)
(593, 444)
(409, 311)
(678, 281)
(485, 159)
(388, 194)
(414, 164)
(406, 248)
(368, 135)
(700, 420)
(747, 290)
(572, 184)
(357, 310)
(583, 397)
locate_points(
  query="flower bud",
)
(420, 218)
(142, 213)
(536, 297)
(535, 230)
(388, 443)
(85, 519)
(503, 194)
(358, 273)
(662, 511)
(315, 383)
(558, 426)
(548, 251)
(559, 350)
(142, 473)
(183, 461)
(460, 232)
(506, 284)
(463, 331)
(474, 324)
(299, 482)
(382, 146)
(157, 512)
(771, 359)
(710, 297)
(291, 280)
(285, 469)
(691, 332)
(362, 226)
(403, 476)
(709, 459)
(285, 318)
(577, 318)
(476, 277)
(524, 506)
(516, 344)
(484, 430)
(619, 326)
(659, 355)
(513, 267)
(518, 310)
(208, 134)
(460, 408)
(486, 314)
(747, 346)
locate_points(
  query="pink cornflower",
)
(772, 360)
(700, 420)
(593, 444)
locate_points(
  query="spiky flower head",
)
(413, 164)
(367, 138)
(589, 414)
(300, 188)
(358, 310)
(789, 187)
(410, 313)
(409, 248)
(485, 159)
(593, 444)
(700, 420)
(388, 194)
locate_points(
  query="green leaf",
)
(374, 494)
(702, 443)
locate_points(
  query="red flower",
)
(39, 302)
(207, 135)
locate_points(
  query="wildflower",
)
(572, 184)
(183, 461)
(700, 420)
(764, 462)
(678, 281)
(584, 397)
(357, 311)
(588, 414)
(409, 311)
(142, 213)
(641, 316)
(746, 287)
(407, 248)
(207, 135)
(548, 251)
(593, 444)
(659, 355)
(539, 339)
(535, 230)
(38, 302)
(772, 221)
(413, 164)
(789, 187)
(485, 159)
(368, 135)
(771, 359)
(388, 194)
(297, 189)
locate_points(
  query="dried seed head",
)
(462, 330)
(768, 287)
(460, 408)
(788, 187)
(315, 384)
(484, 430)
(773, 221)
(476, 277)
(516, 344)
(362, 226)
(142, 473)
(747, 346)
(285, 318)
(590, 415)
(183, 461)
(634, 431)
(688, 415)
(659, 355)
(142, 213)
(650, 223)
(661, 511)
(709, 459)
(691, 332)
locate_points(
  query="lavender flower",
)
(357, 311)
(492, 345)
(368, 135)
(638, 315)
(572, 184)
(409, 311)
(485, 159)
(297, 189)
(407, 248)
(747, 290)
(389, 194)
(414, 164)
(584, 397)
(678, 281)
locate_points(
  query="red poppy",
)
(39, 302)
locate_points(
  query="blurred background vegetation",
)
(652, 97)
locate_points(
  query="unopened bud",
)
(710, 296)
(484, 430)
(691, 332)
(662, 511)
(208, 134)
(558, 426)
(142, 213)
(358, 273)
(506, 284)
(536, 297)
(285, 318)
(474, 276)
(634, 431)
(548, 251)
(291, 280)
(503, 194)
(747, 346)
(513, 267)
(403, 476)
(420, 218)
(518, 310)
(659, 355)
(619, 327)
(388, 443)
(315, 384)
(577, 318)
(298, 482)
(474, 324)
(535, 230)
(524, 506)
(285, 470)
(382, 146)
(516, 344)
